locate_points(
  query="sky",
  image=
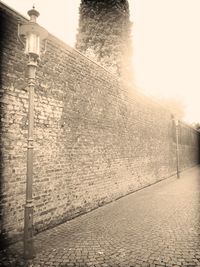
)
(166, 42)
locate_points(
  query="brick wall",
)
(95, 139)
(189, 146)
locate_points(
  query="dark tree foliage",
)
(105, 33)
(197, 126)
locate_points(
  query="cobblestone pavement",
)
(156, 226)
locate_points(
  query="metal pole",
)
(177, 151)
(28, 218)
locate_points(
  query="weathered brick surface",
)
(189, 146)
(95, 139)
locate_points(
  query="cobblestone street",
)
(156, 226)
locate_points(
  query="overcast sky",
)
(166, 40)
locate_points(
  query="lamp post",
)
(177, 149)
(30, 34)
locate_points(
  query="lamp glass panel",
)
(33, 44)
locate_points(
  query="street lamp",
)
(30, 34)
(177, 149)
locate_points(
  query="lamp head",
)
(33, 34)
